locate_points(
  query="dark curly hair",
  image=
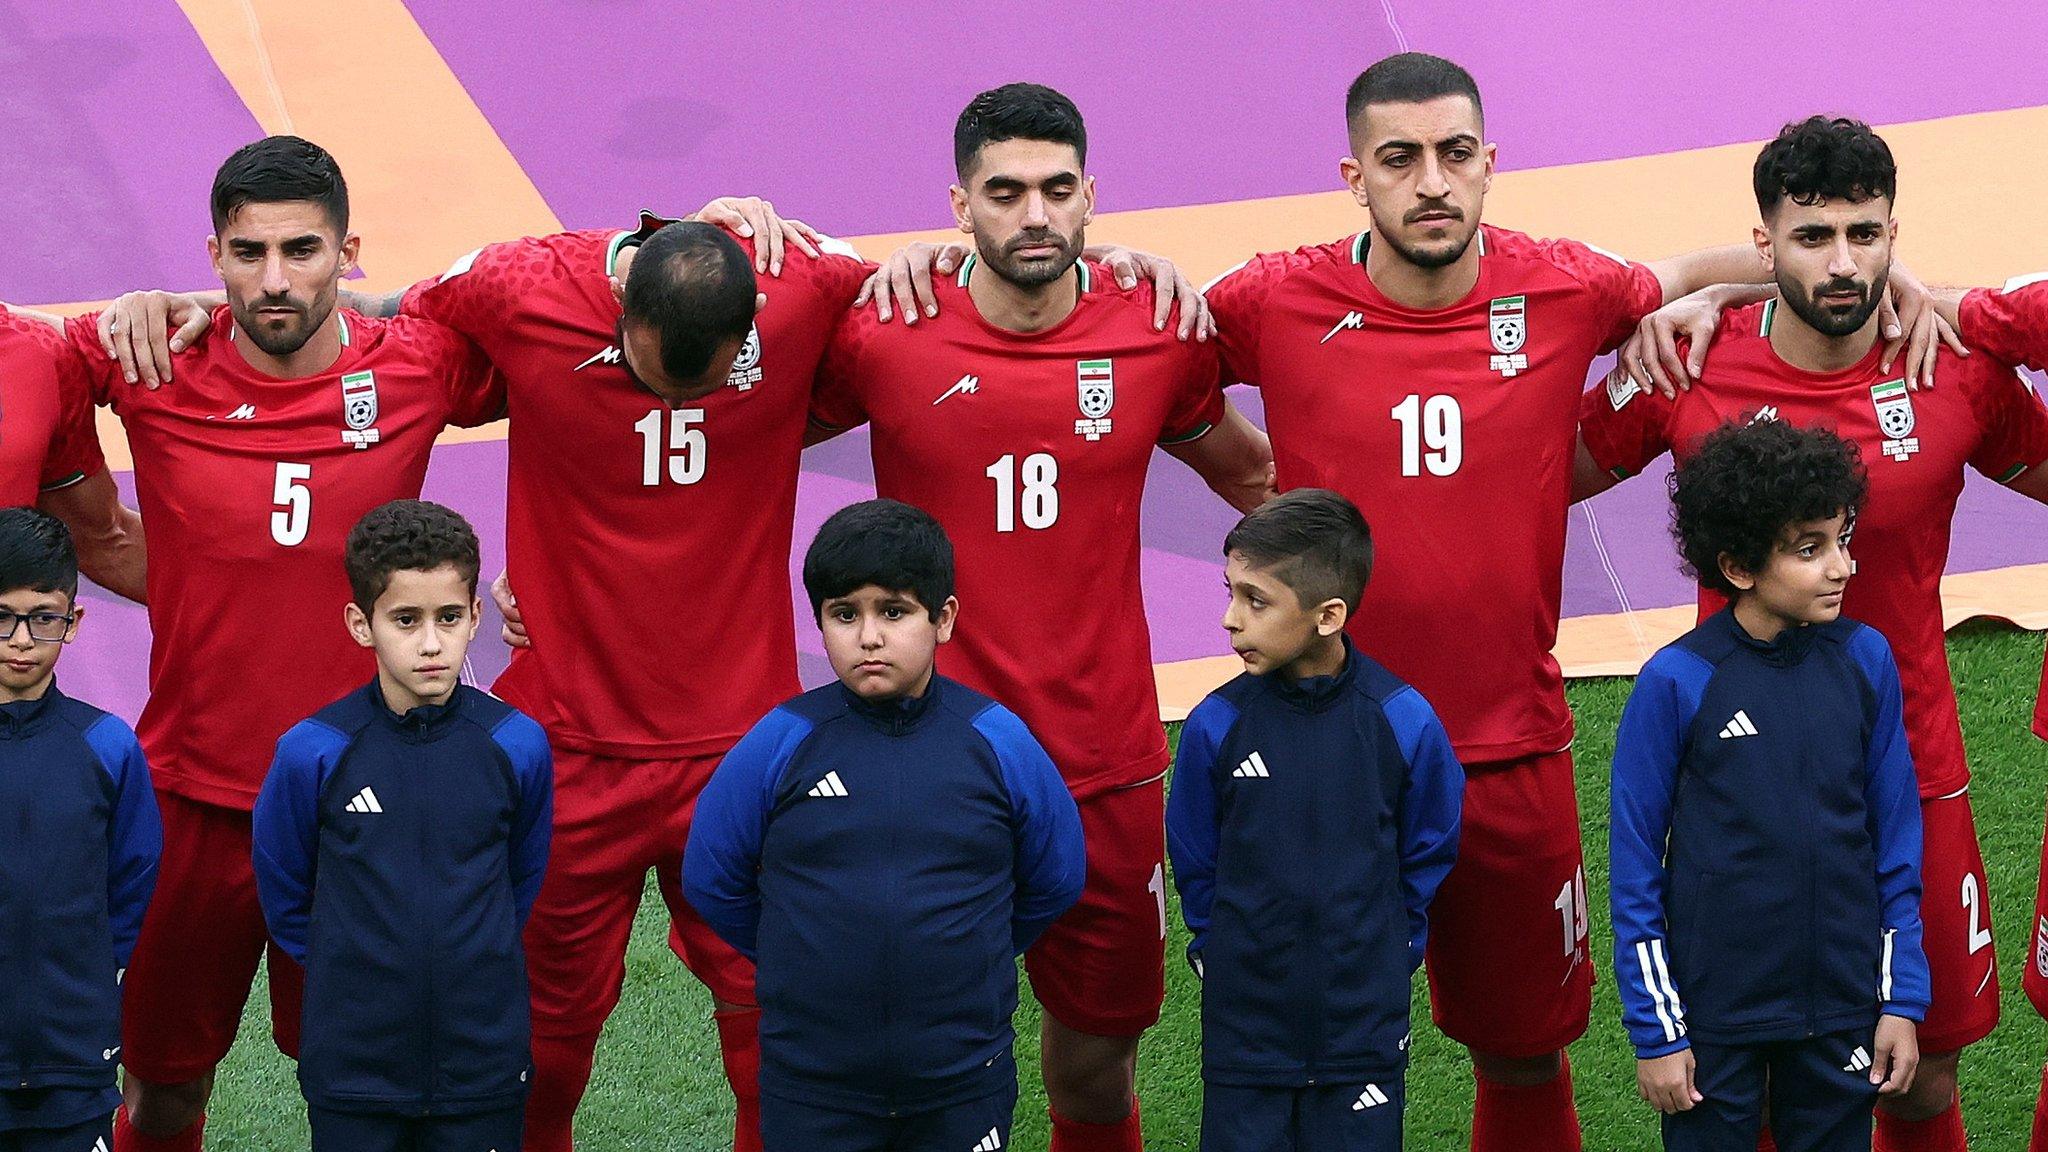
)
(1748, 483)
(407, 536)
(1820, 159)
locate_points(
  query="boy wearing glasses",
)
(77, 863)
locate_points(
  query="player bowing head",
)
(280, 241)
(689, 302)
(1825, 188)
(1020, 152)
(1419, 162)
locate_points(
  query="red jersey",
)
(2012, 324)
(1452, 431)
(647, 545)
(1914, 446)
(47, 437)
(248, 486)
(1031, 449)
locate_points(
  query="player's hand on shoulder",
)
(142, 330)
(514, 629)
(1171, 291)
(904, 281)
(1909, 319)
(1897, 1057)
(757, 219)
(1650, 357)
(1667, 1082)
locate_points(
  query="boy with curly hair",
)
(1765, 834)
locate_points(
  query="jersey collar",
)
(1086, 277)
(650, 223)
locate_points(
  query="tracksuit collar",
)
(1788, 649)
(1315, 693)
(22, 717)
(894, 716)
(425, 722)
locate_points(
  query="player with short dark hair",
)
(1314, 813)
(1768, 742)
(1023, 417)
(77, 864)
(884, 847)
(280, 435)
(1429, 368)
(399, 841)
(1812, 356)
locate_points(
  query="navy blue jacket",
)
(1765, 840)
(79, 842)
(1310, 824)
(883, 865)
(397, 858)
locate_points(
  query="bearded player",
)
(1023, 416)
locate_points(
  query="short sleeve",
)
(1198, 396)
(74, 452)
(1624, 425)
(102, 376)
(2011, 323)
(2012, 424)
(1620, 292)
(836, 274)
(1237, 302)
(482, 289)
(836, 401)
(476, 390)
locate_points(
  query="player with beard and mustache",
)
(249, 474)
(1023, 417)
(1825, 188)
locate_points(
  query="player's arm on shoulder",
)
(525, 744)
(2008, 323)
(285, 832)
(1193, 823)
(135, 835)
(722, 860)
(107, 534)
(1172, 292)
(1234, 457)
(1432, 807)
(142, 332)
(1622, 427)
(1051, 863)
(1651, 356)
(756, 219)
(1648, 748)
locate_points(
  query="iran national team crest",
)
(1507, 321)
(1895, 419)
(359, 408)
(746, 367)
(1096, 380)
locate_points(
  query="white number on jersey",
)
(1038, 504)
(685, 449)
(1571, 908)
(1157, 887)
(1973, 903)
(294, 500)
(1436, 424)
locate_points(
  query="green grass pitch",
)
(658, 1084)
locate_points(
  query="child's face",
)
(1803, 580)
(40, 624)
(881, 641)
(421, 628)
(1269, 626)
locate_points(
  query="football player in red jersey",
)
(1812, 355)
(1430, 370)
(284, 432)
(1023, 415)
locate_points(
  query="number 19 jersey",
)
(1032, 449)
(248, 486)
(1453, 431)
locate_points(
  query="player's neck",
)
(1420, 289)
(315, 356)
(1017, 308)
(1806, 348)
(1323, 657)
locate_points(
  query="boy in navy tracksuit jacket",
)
(1766, 827)
(1314, 812)
(79, 841)
(399, 844)
(883, 848)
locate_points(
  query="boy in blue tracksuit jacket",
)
(1314, 812)
(1766, 827)
(79, 842)
(883, 848)
(400, 840)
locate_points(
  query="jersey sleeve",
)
(482, 289)
(1198, 401)
(836, 274)
(135, 835)
(2011, 323)
(285, 831)
(722, 858)
(1051, 856)
(475, 389)
(1237, 302)
(2012, 424)
(1647, 750)
(75, 444)
(1193, 825)
(533, 768)
(1432, 803)
(1620, 292)
(836, 402)
(1624, 425)
(1891, 800)
(102, 376)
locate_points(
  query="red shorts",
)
(1101, 968)
(1955, 919)
(1509, 973)
(193, 966)
(614, 820)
